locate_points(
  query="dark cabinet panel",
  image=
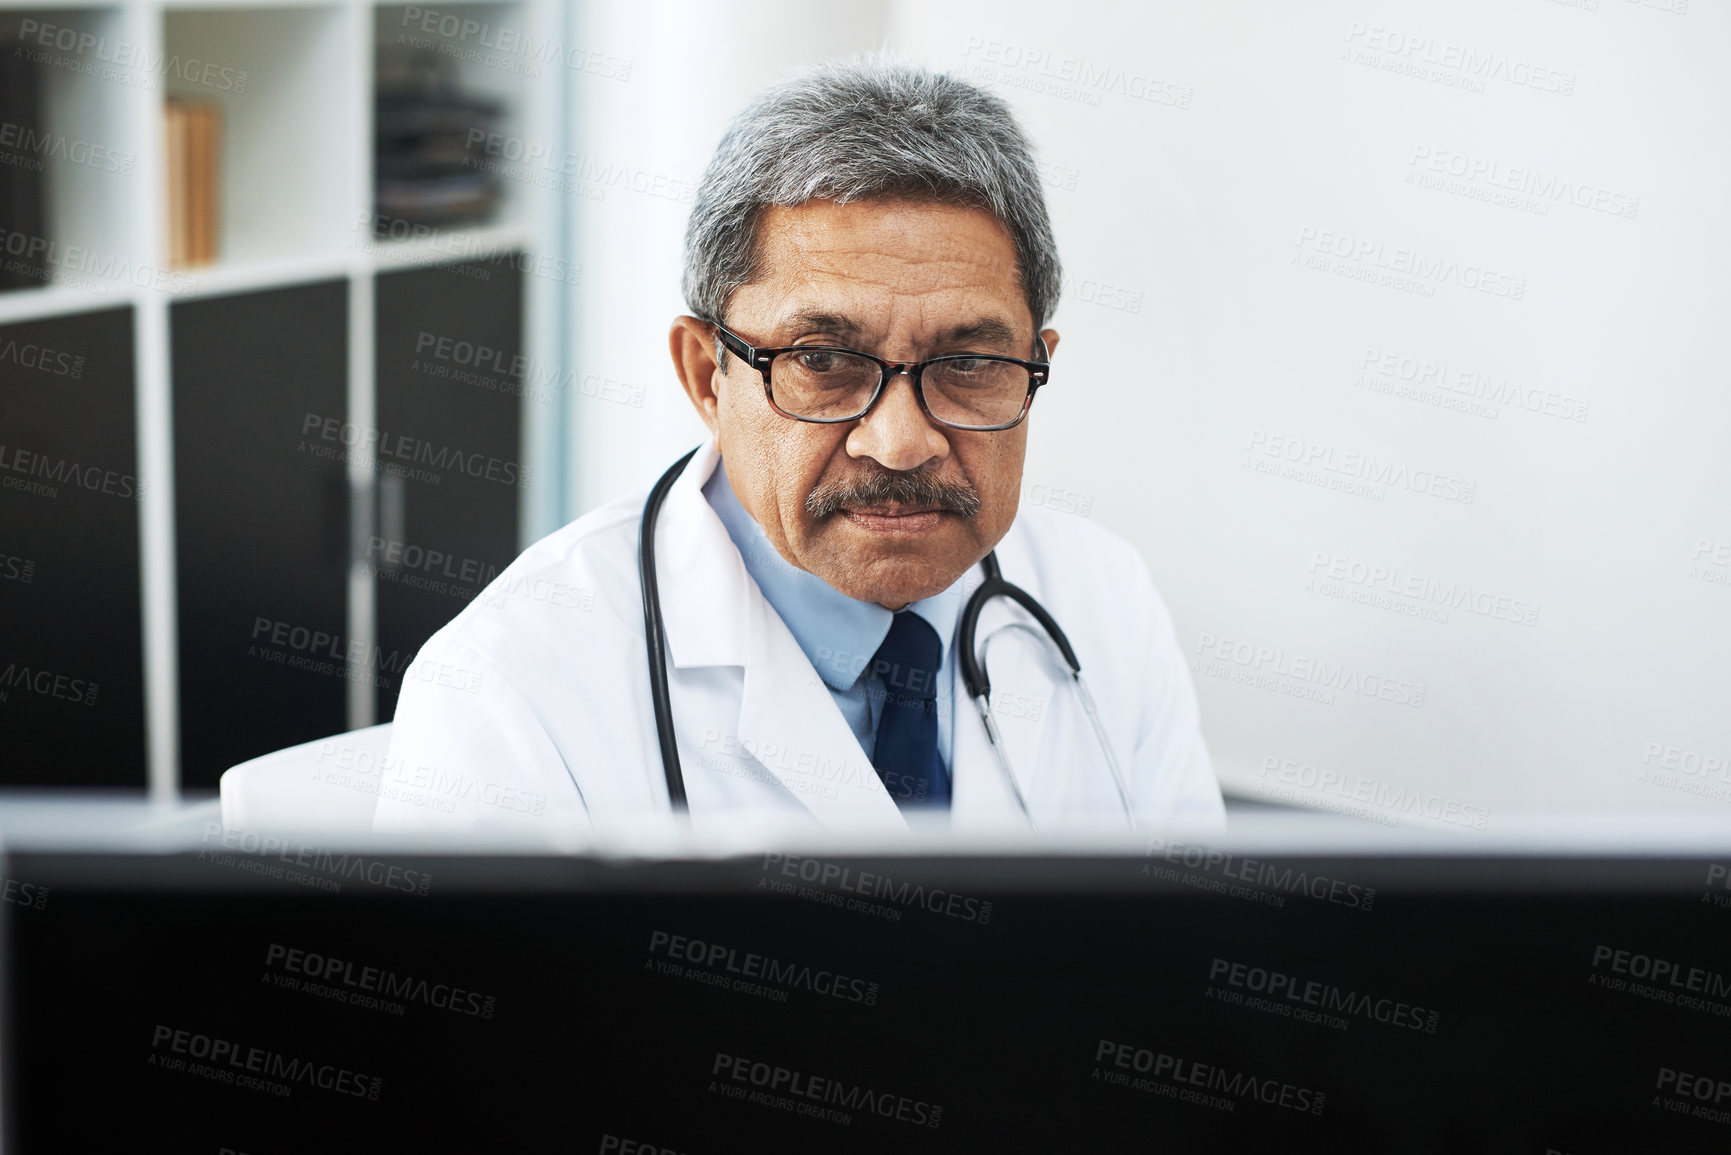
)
(261, 438)
(71, 665)
(451, 470)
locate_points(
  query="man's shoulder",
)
(599, 537)
(1088, 576)
(1064, 548)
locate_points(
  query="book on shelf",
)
(174, 171)
(192, 140)
(21, 192)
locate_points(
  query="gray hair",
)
(870, 127)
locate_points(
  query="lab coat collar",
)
(705, 592)
(716, 616)
(788, 721)
(839, 635)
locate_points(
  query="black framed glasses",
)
(829, 384)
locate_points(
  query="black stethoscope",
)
(974, 676)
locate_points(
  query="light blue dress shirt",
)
(838, 634)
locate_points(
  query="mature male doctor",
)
(869, 264)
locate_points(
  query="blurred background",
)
(1393, 337)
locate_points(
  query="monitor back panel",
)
(288, 1002)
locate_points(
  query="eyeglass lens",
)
(827, 384)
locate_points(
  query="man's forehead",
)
(849, 326)
(946, 240)
(859, 269)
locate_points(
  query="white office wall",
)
(644, 141)
(1393, 335)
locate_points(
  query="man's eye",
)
(819, 361)
(968, 364)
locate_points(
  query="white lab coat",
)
(528, 716)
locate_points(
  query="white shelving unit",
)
(295, 80)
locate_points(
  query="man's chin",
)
(893, 580)
(891, 569)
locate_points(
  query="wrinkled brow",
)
(848, 330)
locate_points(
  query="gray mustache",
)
(888, 486)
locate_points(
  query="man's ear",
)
(692, 343)
(1050, 337)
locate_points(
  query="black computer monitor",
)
(1189, 999)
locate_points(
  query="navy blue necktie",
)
(905, 753)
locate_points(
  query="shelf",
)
(250, 276)
(288, 128)
(58, 301)
(294, 83)
(250, 5)
(447, 245)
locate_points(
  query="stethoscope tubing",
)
(973, 667)
(655, 636)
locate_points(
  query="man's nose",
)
(896, 433)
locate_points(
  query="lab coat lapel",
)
(716, 616)
(1021, 688)
(789, 722)
(704, 587)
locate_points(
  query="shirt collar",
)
(838, 634)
